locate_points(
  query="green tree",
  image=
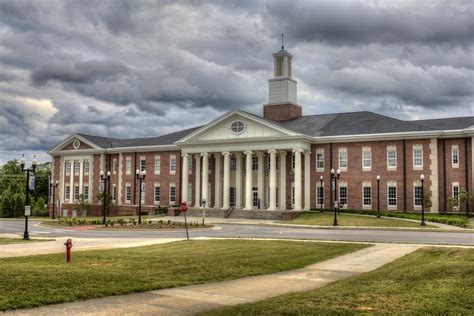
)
(106, 198)
(460, 203)
(82, 205)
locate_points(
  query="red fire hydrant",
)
(68, 245)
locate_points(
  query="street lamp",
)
(104, 177)
(378, 196)
(422, 178)
(320, 191)
(334, 177)
(141, 177)
(53, 185)
(34, 163)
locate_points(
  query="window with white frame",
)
(417, 157)
(67, 192)
(76, 192)
(456, 193)
(86, 167)
(392, 194)
(366, 158)
(190, 165)
(254, 163)
(190, 193)
(391, 157)
(293, 161)
(77, 168)
(157, 193)
(142, 164)
(67, 167)
(86, 192)
(157, 166)
(114, 166)
(232, 196)
(320, 196)
(343, 195)
(172, 194)
(114, 193)
(455, 156)
(343, 159)
(320, 159)
(172, 164)
(417, 194)
(292, 194)
(366, 195)
(128, 193)
(128, 166)
(233, 163)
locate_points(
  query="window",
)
(320, 196)
(343, 195)
(320, 160)
(86, 192)
(157, 193)
(367, 196)
(172, 194)
(293, 162)
(456, 192)
(292, 194)
(209, 165)
(455, 156)
(157, 165)
(77, 168)
(114, 166)
(366, 158)
(128, 166)
(190, 165)
(417, 157)
(232, 196)
(67, 192)
(255, 197)
(190, 193)
(142, 164)
(86, 167)
(67, 167)
(237, 127)
(76, 192)
(233, 163)
(417, 196)
(128, 193)
(114, 193)
(172, 164)
(391, 158)
(392, 195)
(343, 159)
(254, 163)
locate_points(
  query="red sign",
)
(183, 207)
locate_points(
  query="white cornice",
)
(56, 148)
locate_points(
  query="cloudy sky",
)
(146, 68)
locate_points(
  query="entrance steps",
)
(239, 213)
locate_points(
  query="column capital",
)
(184, 155)
(307, 152)
(225, 153)
(204, 154)
(248, 152)
(297, 151)
(217, 155)
(197, 156)
(272, 151)
(282, 152)
(237, 155)
(259, 153)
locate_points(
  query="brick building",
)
(275, 162)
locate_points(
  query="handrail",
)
(229, 212)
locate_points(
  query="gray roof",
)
(337, 124)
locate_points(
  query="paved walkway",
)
(193, 299)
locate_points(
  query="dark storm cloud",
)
(141, 68)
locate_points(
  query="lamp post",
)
(53, 185)
(334, 177)
(104, 177)
(141, 177)
(378, 196)
(34, 163)
(422, 178)
(320, 191)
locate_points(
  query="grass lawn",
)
(47, 279)
(431, 281)
(326, 219)
(4, 241)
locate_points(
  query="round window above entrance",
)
(238, 127)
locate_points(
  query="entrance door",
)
(255, 197)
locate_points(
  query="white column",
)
(205, 176)
(282, 186)
(226, 186)
(217, 182)
(260, 175)
(273, 182)
(248, 180)
(185, 178)
(63, 178)
(120, 173)
(307, 185)
(81, 176)
(238, 180)
(297, 153)
(71, 181)
(197, 179)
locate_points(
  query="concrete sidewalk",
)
(36, 248)
(193, 299)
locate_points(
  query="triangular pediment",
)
(74, 142)
(237, 125)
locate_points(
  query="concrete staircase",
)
(253, 214)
